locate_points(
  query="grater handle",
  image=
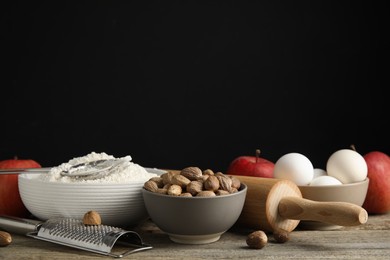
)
(17, 225)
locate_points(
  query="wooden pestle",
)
(273, 204)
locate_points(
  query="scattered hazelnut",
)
(257, 239)
(5, 238)
(92, 218)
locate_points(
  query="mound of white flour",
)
(127, 172)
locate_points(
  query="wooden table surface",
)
(368, 241)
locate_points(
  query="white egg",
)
(347, 165)
(294, 167)
(325, 180)
(319, 172)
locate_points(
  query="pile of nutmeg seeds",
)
(193, 182)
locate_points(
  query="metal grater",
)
(70, 232)
(99, 238)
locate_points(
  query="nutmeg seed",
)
(212, 183)
(180, 180)
(221, 192)
(225, 182)
(185, 194)
(257, 239)
(151, 186)
(5, 238)
(281, 235)
(167, 177)
(236, 183)
(206, 193)
(194, 187)
(174, 190)
(92, 218)
(192, 173)
(208, 172)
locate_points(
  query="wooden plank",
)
(368, 241)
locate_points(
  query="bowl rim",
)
(33, 177)
(346, 185)
(243, 189)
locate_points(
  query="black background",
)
(193, 83)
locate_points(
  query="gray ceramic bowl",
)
(352, 193)
(194, 220)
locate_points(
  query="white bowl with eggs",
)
(343, 180)
(354, 193)
(118, 203)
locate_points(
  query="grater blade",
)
(99, 239)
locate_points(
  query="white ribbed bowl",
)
(120, 205)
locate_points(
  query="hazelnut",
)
(257, 239)
(5, 238)
(92, 218)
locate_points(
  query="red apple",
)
(251, 166)
(378, 195)
(10, 202)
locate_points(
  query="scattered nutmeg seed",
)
(92, 218)
(281, 235)
(5, 238)
(257, 239)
